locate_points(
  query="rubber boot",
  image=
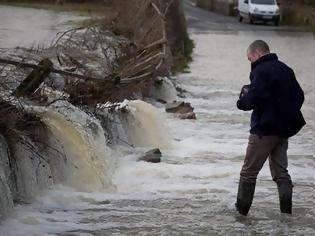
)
(285, 196)
(245, 195)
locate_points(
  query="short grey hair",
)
(259, 45)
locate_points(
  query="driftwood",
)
(34, 79)
(40, 67)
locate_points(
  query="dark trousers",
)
(258, 150)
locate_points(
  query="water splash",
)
(84, 143)
(146, 126)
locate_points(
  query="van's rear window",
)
(265, 2)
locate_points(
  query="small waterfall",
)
(71, 148)
(84, 143)
(146, 126)
(6, 199)
(164, 90)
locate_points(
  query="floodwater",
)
(27, 27)
(193, 190)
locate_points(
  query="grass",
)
(183, 55)
(298, 15)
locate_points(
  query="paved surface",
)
(200, 20)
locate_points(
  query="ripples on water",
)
(192, 192)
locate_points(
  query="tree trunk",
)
(34, 79)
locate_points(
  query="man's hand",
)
(243, 101)
(244, 90)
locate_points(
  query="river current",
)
(193, 190)
(27, 27)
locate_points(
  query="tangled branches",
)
(94, 65)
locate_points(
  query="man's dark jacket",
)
(275, 97)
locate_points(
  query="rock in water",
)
(153, 156)
(189, 115)
(179, 107)
(182, 109)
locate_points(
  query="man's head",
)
(256, 50)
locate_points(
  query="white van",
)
(259, 10)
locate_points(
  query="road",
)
(202, 20)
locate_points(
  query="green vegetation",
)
(298, 15)
(183, 55)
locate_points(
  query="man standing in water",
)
(276, 98)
